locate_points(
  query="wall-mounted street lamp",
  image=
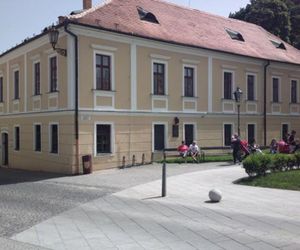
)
(238, 96)
(53, 38)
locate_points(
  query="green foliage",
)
(257, 164)
(279, 17)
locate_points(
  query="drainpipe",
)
(265, 102)
(76, 99)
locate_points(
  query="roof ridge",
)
(85, 12)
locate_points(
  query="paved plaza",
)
(138, 218)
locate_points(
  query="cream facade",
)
(129, 121)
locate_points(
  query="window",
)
(17, 138)
(159, 78)
(103, 72)
(188, 81)
(227, 134)
(228, 85)
(275, 89)
(1, 89)
(53, 74)
(250, 87)
(189, 133)
(278, 45)
(103, 139)
(54, 138)
(37, 138)
(16, 85)
(146, 15)
(294, 97)
(37, 79)
(234, 35)
(251, 133)
(159, 136)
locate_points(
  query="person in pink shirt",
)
(183, 149)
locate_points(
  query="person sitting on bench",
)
(183, 149)
(194, 151)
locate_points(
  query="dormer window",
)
(147, 16)
(235, 35)
(278, 45)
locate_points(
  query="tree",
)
(279, 17)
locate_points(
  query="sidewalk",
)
(137, 218)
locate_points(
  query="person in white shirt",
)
(194, 151)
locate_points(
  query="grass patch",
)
(208, 158)
(289, 180)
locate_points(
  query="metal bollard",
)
(143, 159)
(164, 178)
(123, 162)
(133, 160)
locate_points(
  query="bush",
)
(257, 164)
(279, 162)
(297, 159)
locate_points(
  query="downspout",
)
(265, 102)
(76, 99)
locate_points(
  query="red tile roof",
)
(186, 26)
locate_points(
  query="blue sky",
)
(20, 19)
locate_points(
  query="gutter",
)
(76, 120)
(265, 102)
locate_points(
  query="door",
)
(159, 137)
(4, 149)
(188, 134)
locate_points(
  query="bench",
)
(215, 151)
(172, 152)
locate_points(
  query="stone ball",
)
(215, 195)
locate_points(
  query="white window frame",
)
(33, 76)
(297, 84)
(15, 138)
(255, 130)
(279, 89)
(112, 138)
(34, 137)
(255, 86)
(166, 133)
(112, 69)
(49, 74)
(223, 83)
(166, 76)
(194, 130)
(194, 67)
(50, 138)
(223, 130)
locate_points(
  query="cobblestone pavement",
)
(27, 198)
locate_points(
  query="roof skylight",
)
(235, 35)
(278, 45)
(147, 16)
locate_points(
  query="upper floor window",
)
(53, 74)
(1, 89)
(250, 87)
(228, 80)
(189, 81)
(103, 72)
(275, 88)
(37, 79)
(159, 79)
(294, 97)
(16, 85)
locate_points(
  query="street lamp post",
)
(238, 96)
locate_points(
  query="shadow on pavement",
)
(13, 176)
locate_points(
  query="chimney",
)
(87, 4)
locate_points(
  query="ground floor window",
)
(227, 134)
(189, 133)
(17, 138)
(251, 133)
(103, 138)
(37, 138)
(159, 136)
(54, 138)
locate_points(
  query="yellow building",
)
(138, 76)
